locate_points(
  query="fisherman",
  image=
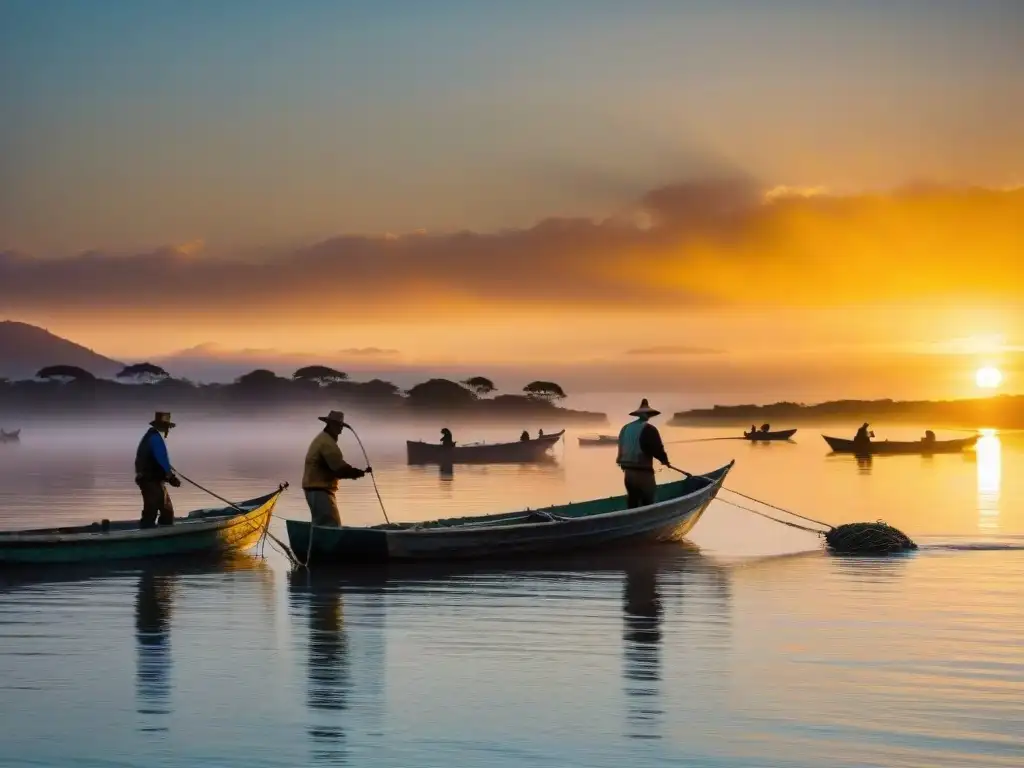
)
(765, 427)
(639, 444)
(153, 473)
(863, 435)
(525, 436)
(446, 438)
(929, 436)
(540, 433)
(324, 466)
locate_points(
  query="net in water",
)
(868, 538)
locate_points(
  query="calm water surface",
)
(746, 646)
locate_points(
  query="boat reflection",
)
(154, 602)
(988, 451)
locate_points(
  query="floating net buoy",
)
(867, 539)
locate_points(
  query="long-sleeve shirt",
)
(324, 464)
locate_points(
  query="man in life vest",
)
(639, 444)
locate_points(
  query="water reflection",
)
(864, 464)
(153, 604)
(988, 452)
(328, 672)
(641, 638)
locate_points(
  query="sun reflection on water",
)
(990, 467)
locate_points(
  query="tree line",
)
(149, 381)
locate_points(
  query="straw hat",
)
(644, 410)
(336, 416)
(162, 420)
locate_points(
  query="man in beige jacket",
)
(323, 468)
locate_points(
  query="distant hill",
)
(24, 349)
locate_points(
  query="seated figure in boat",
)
(446, 438)
(864, 434)
(639, 444)
(765, 427)
(153, 473)
(525, 436)
(929, 436)
(324, 465)
(540, 433)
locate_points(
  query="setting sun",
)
(988, 377)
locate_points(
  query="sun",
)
(988, 377)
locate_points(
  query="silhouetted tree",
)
(65, 372)
(480, 385)
(544, 390)
(145, 373)
(260, 378)
(441, 393)
(320, 375)
(378, 388)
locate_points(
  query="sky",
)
(707, 189)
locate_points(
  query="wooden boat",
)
(590, 440)
(589, 524)
(10, 437)
(203, 532)
(879, 447)
(481, 453)
(757, 437)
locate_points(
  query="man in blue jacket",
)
(153, 473)
(639, 444)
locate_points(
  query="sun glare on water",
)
(988, 377)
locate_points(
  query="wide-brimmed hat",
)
(644, 410)
(162, 420)
(336, 416)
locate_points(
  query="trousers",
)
(323, 508)
(641, 487)
(157, 508)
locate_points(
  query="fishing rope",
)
(769, 517)
(780, 509)
(276, 542)
(765, 503)
(373, 478)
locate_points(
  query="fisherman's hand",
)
(368, 471)
(174, 481)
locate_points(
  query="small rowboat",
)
(205, 531)
(589, 524)
(520, 451)
(757, 437)
(590, 440)
(10, 437)
(880, 447)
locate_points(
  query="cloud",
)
(670, 350)
(369, 352)
(710, 242)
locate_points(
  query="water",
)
(746, 646)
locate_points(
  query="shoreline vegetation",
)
(999, 412)
(71, 391)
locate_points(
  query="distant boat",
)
(758, 437)
(600, 523)
(521, 451)
(204, 532)
(879, 447)
(10, 437)
(598, 440)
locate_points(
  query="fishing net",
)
(867, 539)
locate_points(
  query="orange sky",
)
(701, 274)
